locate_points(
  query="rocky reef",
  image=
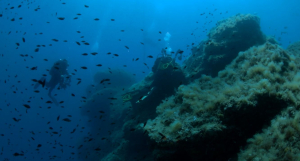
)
(229, 108)
(225, 41)
(235, 98)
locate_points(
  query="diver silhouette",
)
(59, 76)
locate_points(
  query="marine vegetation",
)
(213, 116)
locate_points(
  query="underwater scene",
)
(149, 80)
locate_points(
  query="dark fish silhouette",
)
(25, 105)
(67, 120)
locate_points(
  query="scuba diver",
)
(59, 76)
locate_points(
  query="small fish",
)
(83, 67)
(17, 120)
(27, 106)
(126, 47)
(122, 30)
(72, 94)
(73, 131)
(101, 111)
(57, 117)
(96, 19)
(99, 65)
(67, 120)
(39, 145)
(116, 55)
(86, 6)
(77, 43)
(84, 54)
(55, 40)
(103, 80)
(112, 19)
(97, 149)
(23, 39)
(49, 102)
(33, 68)
(18, 154)
(42, 82)
(61, 18)
(36, 50)
(94, 53)
(112, 98)
(150, 56)
(78, 82)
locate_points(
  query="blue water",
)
(181, 19)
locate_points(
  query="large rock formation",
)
(248, 82)
(213, 117)
(225, 41)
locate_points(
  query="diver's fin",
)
(53, 99)
(42, 82)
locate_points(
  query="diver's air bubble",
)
(167, 37)
(169, 50)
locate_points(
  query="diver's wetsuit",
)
(59, 75)
(58, 70)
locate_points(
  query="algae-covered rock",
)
(251, 91)
(225, 41)
(279, 142)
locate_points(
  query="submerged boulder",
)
(212, 118)
(225, 41)
(280, 140)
